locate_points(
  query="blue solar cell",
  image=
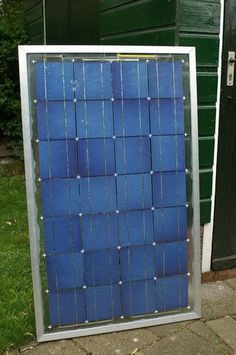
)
(171, 259)
(134, 192)
(131, 117)
(93, 80)
(56, 120)
(165, 79)
(67, 307)
(62, 234)
(101, 267)
(94, 119)
(135, 227)
(103, 302)
(99, 231)
(54, 80)
(65, 271)
(127, 149)
(138, 297)
(58, 159)
(169, 189)
(170, 224)
(167, 116)
(129, 80)
(168, 153)
(137, 263)
(98, 194)
(96, 157)
(172, 292)
(60, 197)
(178, 75)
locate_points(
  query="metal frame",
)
(24, 51)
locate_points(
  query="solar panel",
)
(112, 185)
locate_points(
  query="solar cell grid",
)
(113, 187)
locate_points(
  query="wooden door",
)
(224, 233)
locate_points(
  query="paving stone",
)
(121, 343)
(168, 329)
(218, 300)
(231, 283)
(61, 347)
(199, 328)
(225, 328)
(183, 343)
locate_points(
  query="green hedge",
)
(11, 35)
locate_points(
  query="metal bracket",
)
(230, 69)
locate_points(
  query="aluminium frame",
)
(34, 233)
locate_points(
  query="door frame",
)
(208, 228)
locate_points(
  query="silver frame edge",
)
(42, 336)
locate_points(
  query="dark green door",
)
(224, 233)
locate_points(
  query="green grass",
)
(16, 299)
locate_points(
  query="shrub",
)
(11, 35)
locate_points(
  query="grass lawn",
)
(16, 299)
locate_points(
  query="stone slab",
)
(183, 343)
(60, 347)
(231, 283)
(121, 343)
(218, 300)
(225, 328)
(202, 330)
(168, 329)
